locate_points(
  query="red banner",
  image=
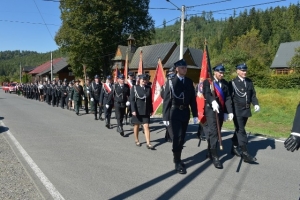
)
(157, 85)
(204, 74)
(116, 74)
(140, 69)
(126, 66)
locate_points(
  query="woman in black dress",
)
(141, 107)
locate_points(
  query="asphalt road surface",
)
(63, 156)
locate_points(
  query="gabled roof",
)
(284, 54)
(27, 68)
(57, 66)
(121, 53)
(151, 54)
(193, 57)
(45, 66)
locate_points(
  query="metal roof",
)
(44, 67)
(284, 54)
(57, 66)
(151, 54)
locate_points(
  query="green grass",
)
(277, 111)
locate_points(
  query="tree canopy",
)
(91, 30)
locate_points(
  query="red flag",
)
(140, 70)
(126, 67)
(204, 74)
(116, 74)
(157, 85)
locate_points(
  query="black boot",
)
(247, 158)
(235, 151)
(107, 123)
(179, 165)
(215, 159)
(208, 155)
(120, 130)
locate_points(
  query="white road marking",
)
(49, 186)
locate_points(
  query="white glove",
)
(82, 98)
(92, 99)
(87, 91)
(215, 106)
(230, 116)
(107, 106)
(166, 123)
(127, 103)
(69, 99)
(225, 117)
(195, 120)
(256, 108)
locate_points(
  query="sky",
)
(22, 22)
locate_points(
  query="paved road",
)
(84, 160)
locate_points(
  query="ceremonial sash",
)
(129, 84)
(107, 88)
(220, 95)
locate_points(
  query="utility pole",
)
(181, 27)
(182, 31)
(51, 68)
(20, 73)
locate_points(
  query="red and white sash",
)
(107, 88)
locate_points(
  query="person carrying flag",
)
(220, 103)
(106, 99)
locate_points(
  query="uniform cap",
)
(109, 77)
(180, 63)
(121, 76)
(219, 68)
(130, 74)
(143, 76)
(242, 67)
(96, 76)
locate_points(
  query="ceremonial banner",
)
(140, 69)
(157, 85)
(126, 66)
(204, 74)
(116, 74)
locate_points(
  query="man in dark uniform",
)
(86, 90)
(130, 82)
(58, 92)
(54, 93)
(69, 96)
(64, 94)
(106, 99)
(179, 94)
(219, 102)
(243, 94)
(121, 93)
(77, 96)
(49, 92)
(293, 141)
(95, 90)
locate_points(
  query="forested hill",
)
(252, 36)
(10, 61)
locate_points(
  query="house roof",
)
(193, 57)
(121, 53)
(57, 66)
(284, 54)
(28, 68)
(45, 66)
(151, 54)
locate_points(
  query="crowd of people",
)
(131, 98)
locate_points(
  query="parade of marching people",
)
(210, 102)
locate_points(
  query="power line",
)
(205, 4)
(43, 19)
(37, 23)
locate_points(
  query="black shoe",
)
(96, 118)
(101, 118)
(77, 114)
(149, 146)
(107, 126)
(246, 156)
(180, 169)
(215, 159)
(235, 151)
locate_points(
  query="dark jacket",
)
(171, 103)
(95, 90)
(120, 95)
(209, 98)
(243, 94)
(105, 96)
(141, 100)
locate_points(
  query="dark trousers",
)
(54, 99)
(37, 95)
(178, 130)
(96, 106)
(63, 101)
(213, 128)
(49, 98)
(239, 136)
(107, 112)
(76, 106)
(120, 111)
(57, 101)
(86, 105)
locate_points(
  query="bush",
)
(276, 81)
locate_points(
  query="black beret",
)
(180, 63)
